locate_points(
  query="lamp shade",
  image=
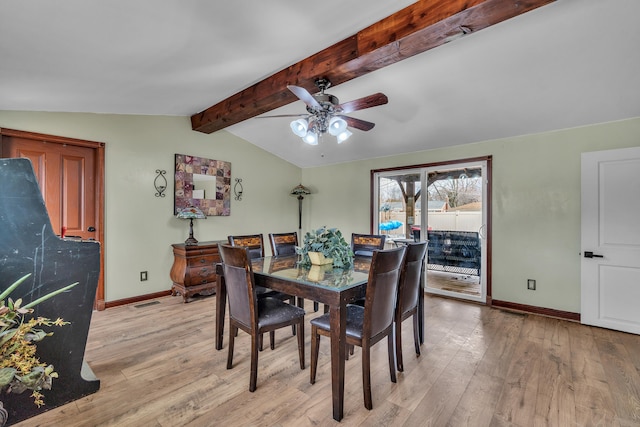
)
(299, 127)
(337, 125)
(191, 212)
(343, 136)
(300, 190)
(311, 138)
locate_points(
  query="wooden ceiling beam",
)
(415, 29)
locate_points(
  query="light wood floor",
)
(479, 367)
(453, 282)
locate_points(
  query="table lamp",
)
(191, 213)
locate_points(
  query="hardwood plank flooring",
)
(479, 367)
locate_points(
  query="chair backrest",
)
(382, 290)
(409, 287)
(239, 282)
(283, 243)
(365, 244)
(253, 242)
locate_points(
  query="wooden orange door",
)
(69, 173)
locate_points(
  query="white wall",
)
(139, 227)
(535, 207)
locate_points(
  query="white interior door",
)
(610, 267)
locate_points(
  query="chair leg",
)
(416, 333)
(232, 334)
(301, 343)
(253, 380)
(366, 376)
(398, 329)
(272, 339)
(392, 354)
(315, 349)
(292, 301)
(316, 306)
(260, 343)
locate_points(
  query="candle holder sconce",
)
(237, 189)
(160, 182)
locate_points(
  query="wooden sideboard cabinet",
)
(194, 268)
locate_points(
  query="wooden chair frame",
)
(369, 324)
(409, 290)
(251, 315)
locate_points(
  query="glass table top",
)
(324, 276)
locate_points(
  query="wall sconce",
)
(237, 189)
(160, 182)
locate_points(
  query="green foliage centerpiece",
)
(328, 242)
(20, 368)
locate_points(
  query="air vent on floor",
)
(146, 304)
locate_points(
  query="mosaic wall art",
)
(204, 183)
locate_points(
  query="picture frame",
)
(203, 183)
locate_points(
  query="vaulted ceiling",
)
(455, 72)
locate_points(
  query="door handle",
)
(91, 229)
(589, 254)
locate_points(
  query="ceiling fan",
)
(326, 114)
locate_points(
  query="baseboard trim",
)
(136, 299)
(566, 315)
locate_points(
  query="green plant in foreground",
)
(330, 243)
(20, 369)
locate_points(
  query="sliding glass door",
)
(446, 204)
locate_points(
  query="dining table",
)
(332, 286)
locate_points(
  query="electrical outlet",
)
(143, 276)
(531, 284)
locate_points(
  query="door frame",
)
(486, 204)
(98, 148)
(483, 164)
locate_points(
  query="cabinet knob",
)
(202, 261)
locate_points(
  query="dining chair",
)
(283, 244)
(409, 289)
(365, 244)
(253, 242)
(251, 314)
(255, 247)
(365, 326)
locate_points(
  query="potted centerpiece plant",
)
(20, 368)
(325, 246)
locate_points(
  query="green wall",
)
(535, 206)
(536, 197)
(139, 227)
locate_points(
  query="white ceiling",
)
(567, 64)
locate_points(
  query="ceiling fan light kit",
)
(325, 114)
(337, 125)
(311, 138)
(299, 127)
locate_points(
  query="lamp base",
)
(191, 240)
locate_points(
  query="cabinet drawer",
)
(202, 275)
(199, 261)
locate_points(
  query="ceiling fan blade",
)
(358, 123)
(366, 102)
(304, 96)
(281, 115)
